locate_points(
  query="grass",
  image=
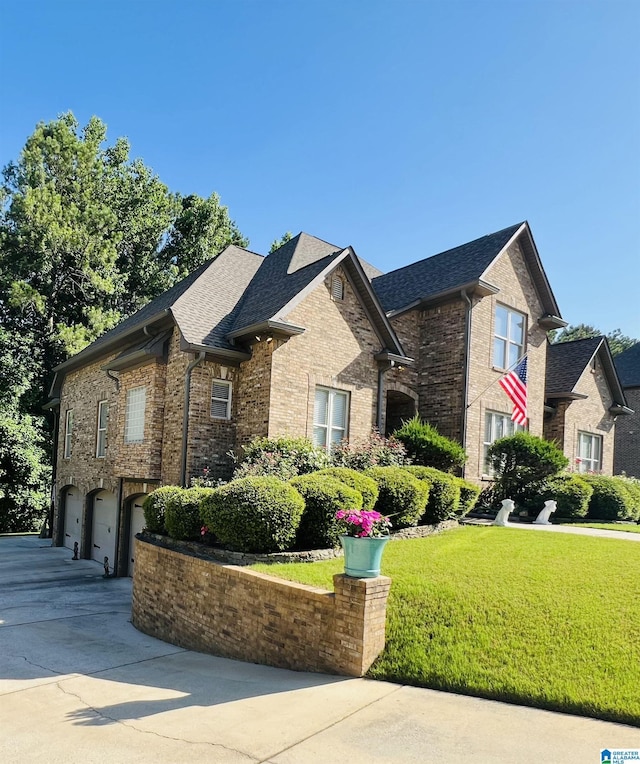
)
(538, 619)
(629, 527)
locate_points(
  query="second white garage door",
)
(104, 528)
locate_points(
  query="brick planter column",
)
(360, 614)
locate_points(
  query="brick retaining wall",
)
(238, 613)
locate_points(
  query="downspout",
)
(465, 395)
(381, 372)
(185, 414)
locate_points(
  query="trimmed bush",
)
(280, 457)
(402, 496)
(571, 494)
(427, 447)
(610, 500)
(182, 513)
(444, 495)
(365, 485)
(469, 493)
(323, 497)
(254, 514)
(154, 507)
(632, 485)
(376, 452)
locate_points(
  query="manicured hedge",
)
(469, 493)
(182, 513)
(426, 446)
(402, 496)
(254, 514)
(610, 500)
(571, 494)
(444, 496)
(365, 485)
(323, 497)
(154, 507)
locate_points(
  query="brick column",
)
(360, 615)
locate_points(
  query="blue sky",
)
(400, 127)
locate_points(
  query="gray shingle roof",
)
(628, 366)
(441, 272)
(566, 361)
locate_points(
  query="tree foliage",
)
(618, 342)
(277, 243)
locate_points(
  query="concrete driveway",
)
(79, 684)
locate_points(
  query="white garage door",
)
(137, 526)
(104, 530)
(72, 503)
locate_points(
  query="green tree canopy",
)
(277, 243)
(618, 342)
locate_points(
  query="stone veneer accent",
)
(238, 613)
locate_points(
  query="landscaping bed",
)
(545, 620)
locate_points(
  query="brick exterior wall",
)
(241, 614)
(589, 415)
(627, 437)
(336, 350)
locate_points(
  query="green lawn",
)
(540, 619)
(629, 527)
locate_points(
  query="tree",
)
(277, 243)
(618, 342)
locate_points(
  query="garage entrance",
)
(104, 528)
(72, 503)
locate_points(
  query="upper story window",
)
(68, 433)
(101, 430)
(330, 416)
(508, 341)
(337, 287)
(221, 399)
(134, 415)
(496, 425)
(589, 456)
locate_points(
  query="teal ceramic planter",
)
(362, 556)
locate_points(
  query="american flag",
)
(515, 386)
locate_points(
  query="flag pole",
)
(495, 381)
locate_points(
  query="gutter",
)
(185, 414)
(465, 361)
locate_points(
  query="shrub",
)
(154, 507)
(402, 496)
(323, 497)
(632, 485)
(571, 494)
(444, 495)
(469, 493)
(254, 514)
(280, 457)
(365, 485)
(376, 452)
(521, 463)
(610, 500)
(426, 446)
(182, 513)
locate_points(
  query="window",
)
(337, 288)
(101, 437)
(330, 417)
(589, 457)
(496, 425)
(68, 432)
(508, 342)
(134, 415)
(221, 399)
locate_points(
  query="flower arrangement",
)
(363, 523)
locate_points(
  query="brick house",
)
(584, 399)
(308, 341)
(627, 437)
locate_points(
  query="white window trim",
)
(227, 401)
(506, 340)
(326, 426)
(138, 432)
(510, 424)
(68, 433)
(102, 431)
(588, 464)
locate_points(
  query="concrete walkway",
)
(602, 532)
(79, 684)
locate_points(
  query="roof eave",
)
(227, 356)
(551, 322)
(270, 327)
(394, 359)
(617, 410)
(478, 287)
(567, 395)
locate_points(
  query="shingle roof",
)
(628, 366)
(566, 361)
(439, 273)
